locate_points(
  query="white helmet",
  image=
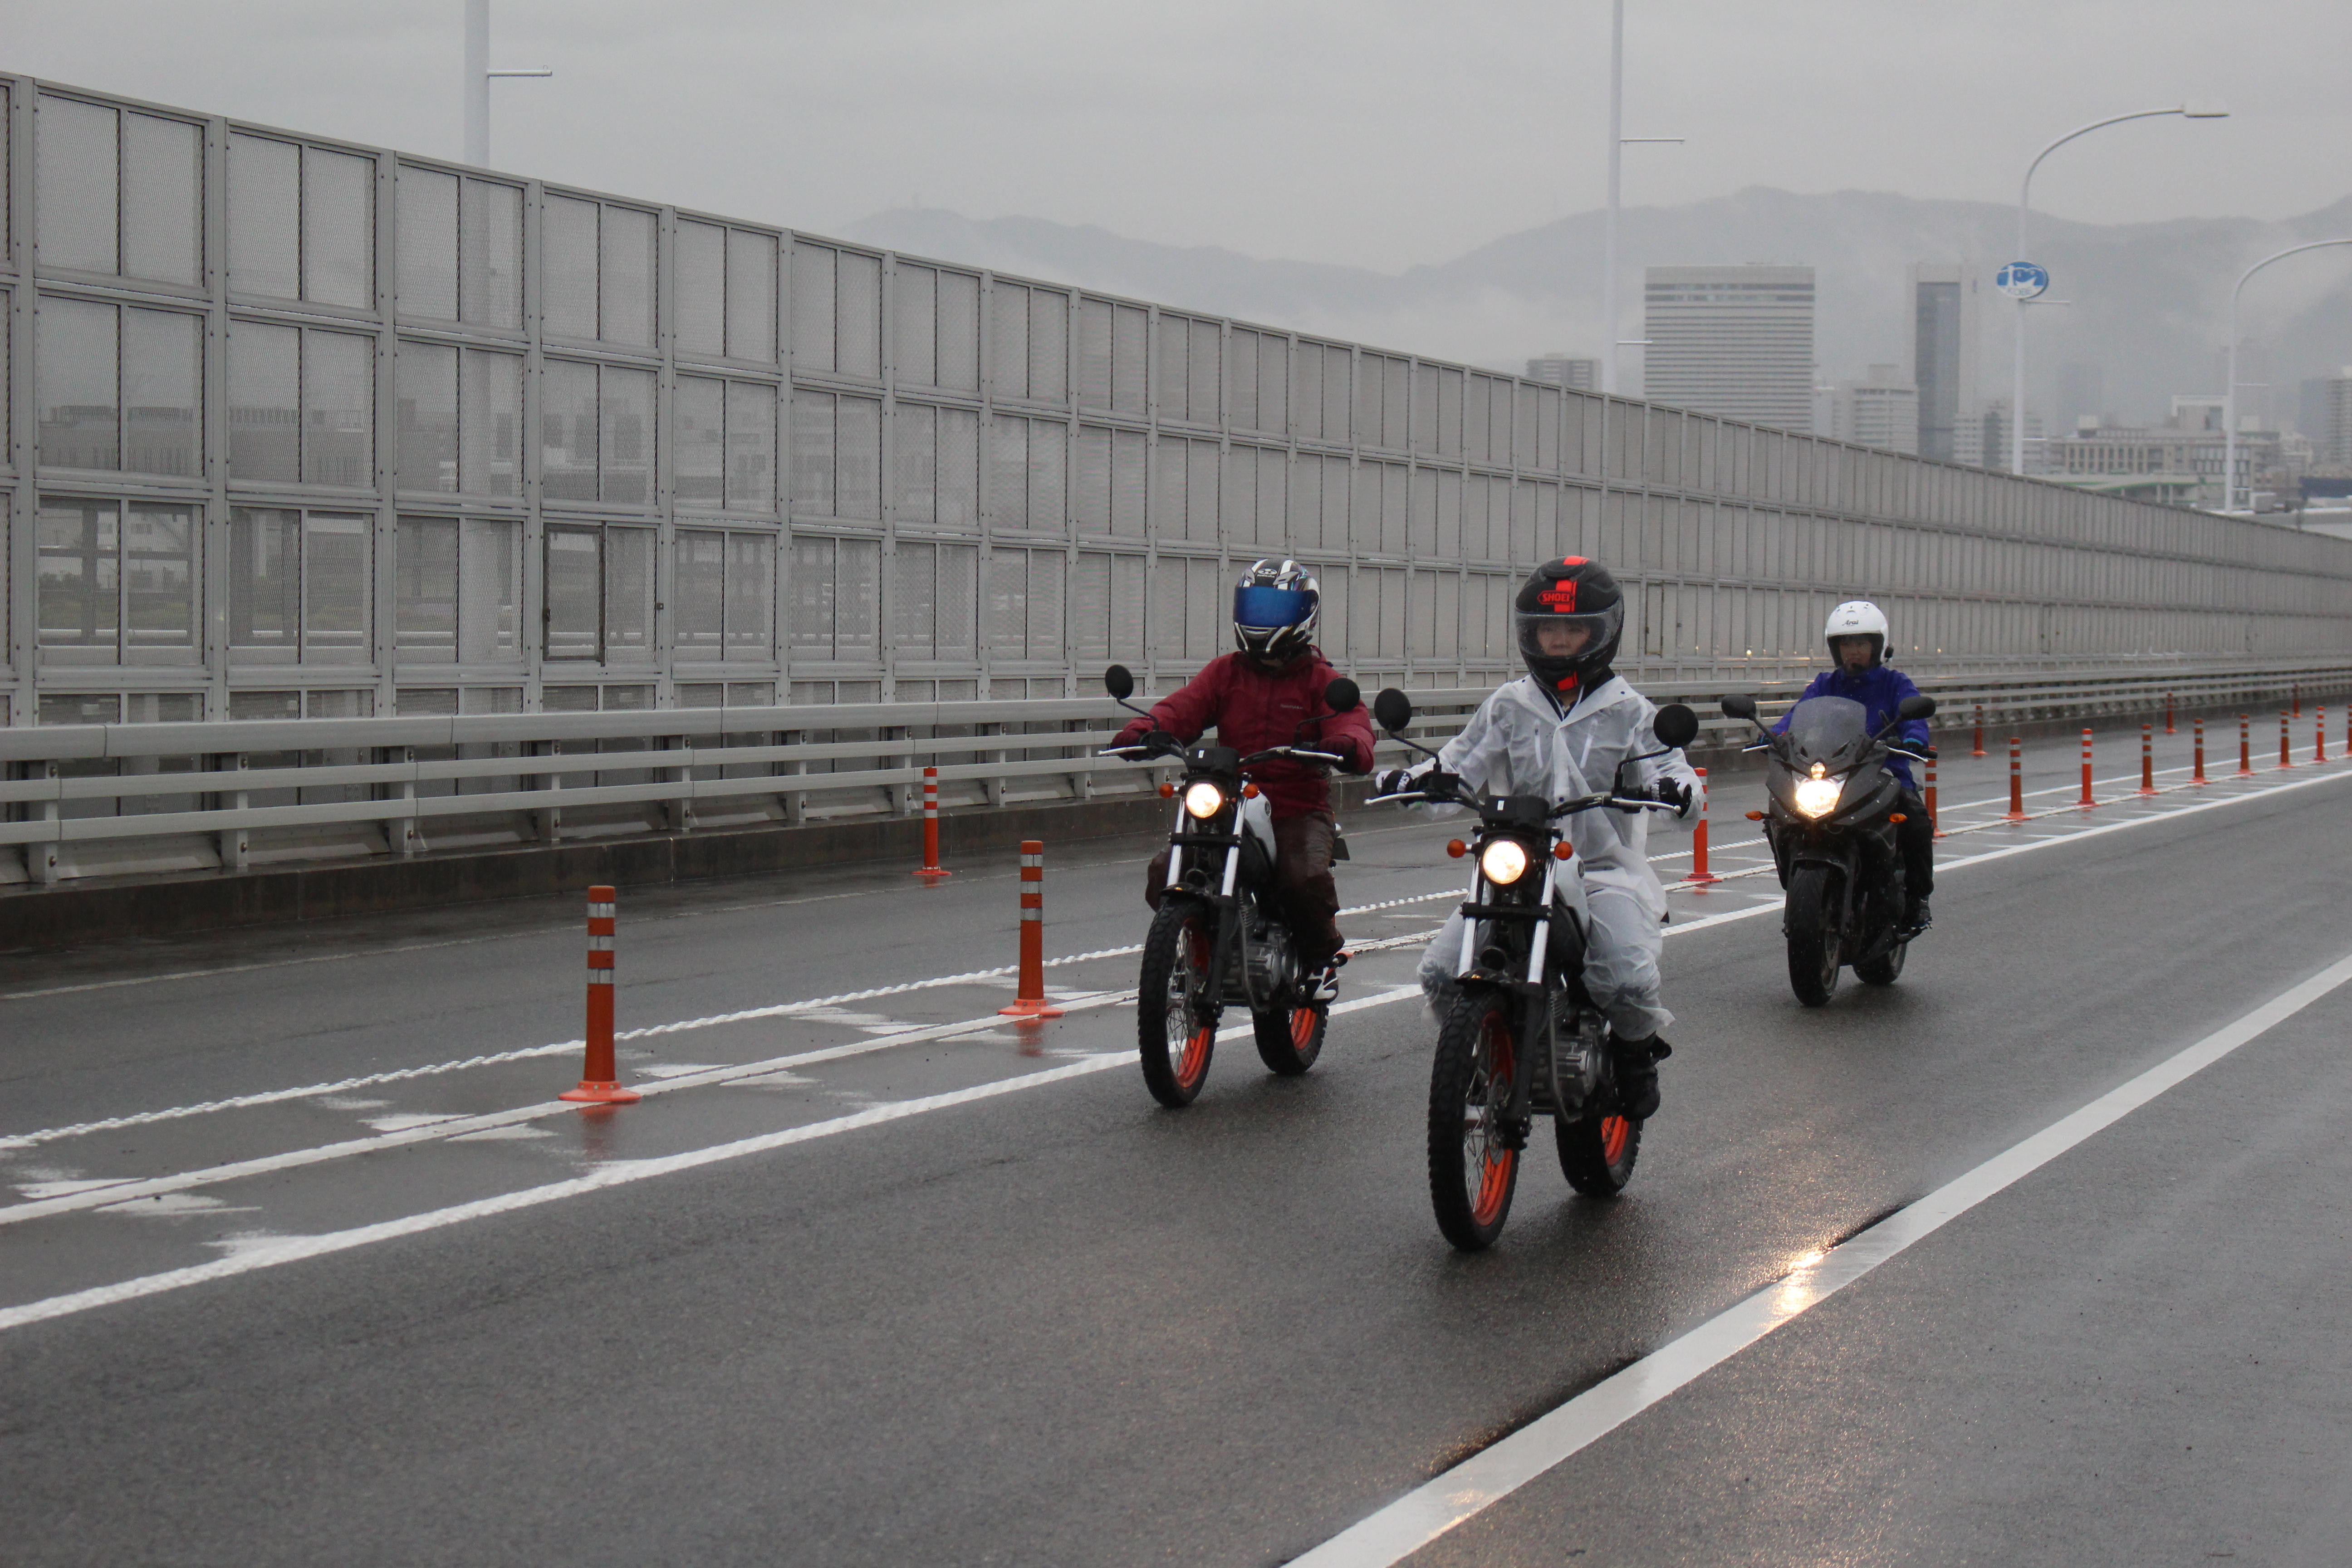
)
(1857, 618)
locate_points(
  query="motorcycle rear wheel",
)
(1473, 1171)
(1174, 1044)
(1812, 921)
(1884, 970)
(1289, 1039)
(1597, 1152)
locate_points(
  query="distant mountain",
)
(2150, 302)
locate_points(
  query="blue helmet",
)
(1274, 608)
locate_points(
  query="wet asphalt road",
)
(1059, 1325)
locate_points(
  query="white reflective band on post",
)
(600, 911)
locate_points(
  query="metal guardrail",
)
(98, 800)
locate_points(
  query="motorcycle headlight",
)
(1203, 799)
(1819, 797)
(1504, 861)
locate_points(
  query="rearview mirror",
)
(1120, 681)
(1739, 706)
(1918, 705)
(1675, 726)
(1394, 709)
(1343, 696)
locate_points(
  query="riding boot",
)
(1636, 1064)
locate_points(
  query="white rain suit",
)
(1519, 743)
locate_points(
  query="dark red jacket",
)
(1253, 709)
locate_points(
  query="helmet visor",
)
(1567, 636)
(1270, 609)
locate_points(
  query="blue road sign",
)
(2021, 281)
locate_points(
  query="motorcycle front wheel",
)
(1473, 1170)
(1175, 1043)
(1812, 921)
(1289, 1039)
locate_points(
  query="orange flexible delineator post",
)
(599, 1079)
(2168, 715)
(1978, 751)
(2286, 741)
(2296, 691)
(1029, 999)
(1699, 873)
(2087, 798)
(2148, 756)
(930, 869)
(2319, 734)
(2199, 778)
(1934, 818)
(2016, 779)
(2245, 746)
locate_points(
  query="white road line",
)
(1428, 1511)
(620, 1172)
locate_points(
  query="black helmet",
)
(1276, 606)
(1579, 595)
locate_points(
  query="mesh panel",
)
(1304, 530)
(339, 704)
(338, 228)
(425, 430)
(959, 468)
(1339, 608)
(1008, 603)
(1129, 326)
(1201, 491)
(75, 169)
(1443, 593)
(914, 463)
(701, 285)
(628, 596)
(161, 558)
(1167, 591)
(425, 594)
(857, 609)
(490, 423)
(1449, 413)
(913, 610)
(265, 705)
(1094, 354)
(336, 588)
(567, 418)
(1127, 576)
(813, 439)
(1008, 340)
(1047, 639)
(859, 325)
(1307, 381)
(811, 585)
(1091, 487)
(1168, 489)
(915, 325)
(1048, 467)
(1392, 403)
(265, 581)
(697, 594)
(567, 247)
(625, 436)
(489, 593)
(1392, 509)
(1241, 379)
(1523, 406)
(78, 585)
(625, 278)
(1208, 609)
(699, 459)
(750, 446)
(750, 596)
(1240, 495)
(857, 481)
(1090, 608)
(1173, 379)
(1129, 452)
(163, 392)
(750, 296)
(1206, 377)
(1425, 409)
(812, 307)
(163, 199)
(1368, 400)
(264, 402)
(568, 700)
(1524, 545)
(959, 361)
(1335, 393)
(489, 252)
(428, 244)
(1422, 528)
(1272, 486)
(78, 354)
(338, 409)
(1008, 472)
(265, 208)
(1273, 383)
(957, 602)
(1335, 504)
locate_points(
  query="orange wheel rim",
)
(1615, 1132)
(1302, 1026)
(1195, 1060)
(1496, 1162)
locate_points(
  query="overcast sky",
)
(1378, 132)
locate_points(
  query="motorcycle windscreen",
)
(1831, 729)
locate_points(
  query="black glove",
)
(1161, 740)
(1674, 793)
(1392, 781)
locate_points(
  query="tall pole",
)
(2230, 391)
(2024, 199)
(1608, 327)
(477, 83)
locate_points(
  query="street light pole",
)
(2024, 197)
(1618, 141)
(477, 81)
(2230, 389)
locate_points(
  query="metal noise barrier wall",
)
(302, 429)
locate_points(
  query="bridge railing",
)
(118, 799)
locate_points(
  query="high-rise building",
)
(1877, 410)
(2082, 394)
(1562, 369)
(1944, 358)
(1735, 342)
(2334, 440)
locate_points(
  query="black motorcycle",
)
(1830, 820)
(1523, 1037)
(1220, 936)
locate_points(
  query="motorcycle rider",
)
(1856, 634)
(1562, 730)
(1258, 696)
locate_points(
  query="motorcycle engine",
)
(1578, 1039)
(1269, 966)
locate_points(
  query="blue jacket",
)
(1880, 691)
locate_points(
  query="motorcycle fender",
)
(1836, 856)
